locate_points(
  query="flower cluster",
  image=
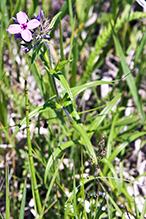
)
(31, 31)
(23, 26)
(44, 27)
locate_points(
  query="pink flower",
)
(24, 26)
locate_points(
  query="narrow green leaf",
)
(116, 206)
(64, 11)
(60, 77)
(36, 52)
(75, 55)
(110, 138)
(113, 172)
(35, 191)
(61, 64)
(53, 179)
(22, 208)
(1, 216)
(54, 20)
(65, 8)
(61, 46)
(129, 78)
(81, 9)
(78, 89)
(99, 212)
(3, 108)
(51, 184)
(87, 37)
(94, 125)
(39, 79)
(140, 49)
(102, 39)
(86, 141)
(63, 83)
(45, 107)
(143, 213)
(60, 149)
(32, 7)
(7, 193)
(122, 146)
(2, 4)
(70, 7)
(69, 144)
(127, 121)
(17, 7)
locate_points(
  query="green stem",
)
(53, 83)
(31, 163)
(7, 193)
(52, 78)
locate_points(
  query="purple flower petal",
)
(27, 49)
(14, 29)
(42, 15)
(21, 17)
(45, 36)
(33, 24)
(18, 35)
(14, 19)
(26, 35)
(38, 17)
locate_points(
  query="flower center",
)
(23, 26)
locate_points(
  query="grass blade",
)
(30, 156)
(143, 213)
(116, 206)
(60, 149)
(7, 193)
(129, 78)
(140, 49)
(1, 216)
(51, 185)
(122, 146)
(22, 208)
(94, 125)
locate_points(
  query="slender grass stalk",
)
(82, 179)
(51, 185)
(74, 192)
(52, 80)
(72, 22)
(1, 216)
(31, 163)
(61, 47)
(7, 194)
(22, 208)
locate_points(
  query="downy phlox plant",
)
(35, 34)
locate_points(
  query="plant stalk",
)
(30, 156)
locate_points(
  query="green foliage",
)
(102, 40)
(81, 145)
(7, 193)
(22, 209)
